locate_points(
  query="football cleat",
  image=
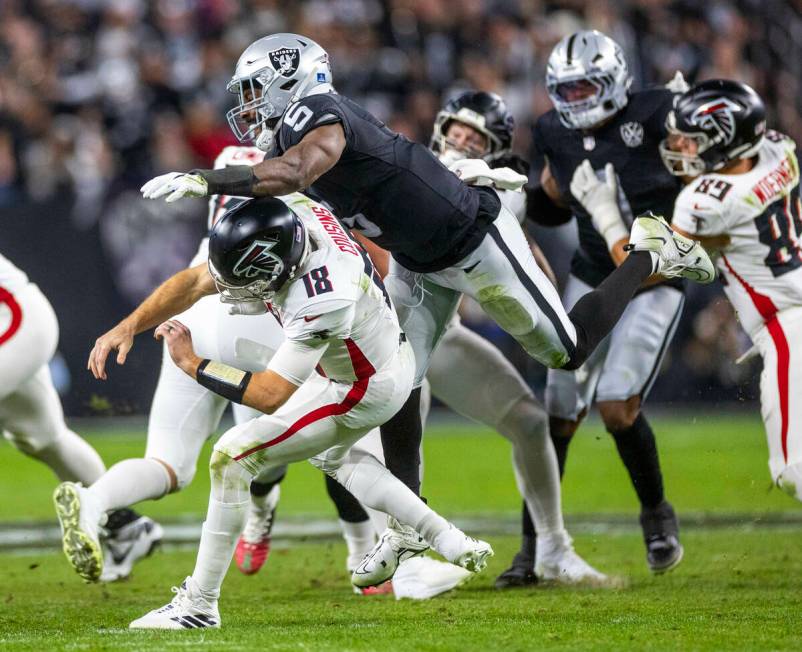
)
(520, 573)
(126, 545)
(421, 578)
(382, 589)
(661, 536)
(462, 550)
(80, 517)
(187, 610)
(253, 546)
(396, 544)
(672, 254)
(557, 561)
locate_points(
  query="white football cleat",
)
(557, 561)
(672, 254)
(81, 518)
(396, 544)
(187, 610)
(421, 578)
(462, 550)
(127, 545)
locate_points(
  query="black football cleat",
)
(520, 574)
(661, 536)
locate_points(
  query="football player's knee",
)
(184, 474)
(618, 415)
(31, 441)
(790, 480)
(526, 418)
(564, 428)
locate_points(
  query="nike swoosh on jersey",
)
(312, 318)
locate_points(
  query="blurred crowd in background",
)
(97, 96)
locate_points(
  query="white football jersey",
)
(761, 267)
(12, 278)
(338, 298)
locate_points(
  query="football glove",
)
(175, 185)
(678, 83)
(600, 199)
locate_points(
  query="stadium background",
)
(98, 96)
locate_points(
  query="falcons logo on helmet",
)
(258, 259)
(717, 116)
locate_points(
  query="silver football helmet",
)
(273, 73)
(587, 79)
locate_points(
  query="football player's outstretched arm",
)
(172, 297)
(297, 169)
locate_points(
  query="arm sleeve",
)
(296, 360)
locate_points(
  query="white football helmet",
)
(582, 60)
(271, 74)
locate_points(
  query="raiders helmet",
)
(485, 112)
(587, 59)
(255, 248)
(727, 121)
(273, 73)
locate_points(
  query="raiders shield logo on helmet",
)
(285, 60)
(632, 134)
(258, 259)
(717, 115)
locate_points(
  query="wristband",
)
(235, 180)
(226, 381)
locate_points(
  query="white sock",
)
(359, 539)
(261, 506)
(535, 464)
(131, 481)
(223, 525)
(72, 458)
(374, 486)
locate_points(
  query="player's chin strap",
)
(476, 172)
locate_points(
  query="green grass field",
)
(736, 589)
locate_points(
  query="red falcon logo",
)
(258, 259)
(718, 116)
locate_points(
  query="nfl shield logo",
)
(285, 60)
(632, 134)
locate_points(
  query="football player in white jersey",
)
(183, 416)
(31, 416)
(338, 323)
(742, 200)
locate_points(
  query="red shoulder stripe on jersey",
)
(363, 370)
(16, 315)
(765, 306)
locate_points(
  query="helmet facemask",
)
(255, 118)
(449, 151)
(589, 111)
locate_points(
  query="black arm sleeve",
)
(542, 210)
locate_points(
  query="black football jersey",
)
(630, 142)
(392, 190)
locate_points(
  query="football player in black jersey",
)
(446, 238)
(601, 164)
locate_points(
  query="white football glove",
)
(600, 199)
(678, 83)
(476, 172)
(175, 185)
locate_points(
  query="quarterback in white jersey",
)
(746, 205)
(338, 321)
